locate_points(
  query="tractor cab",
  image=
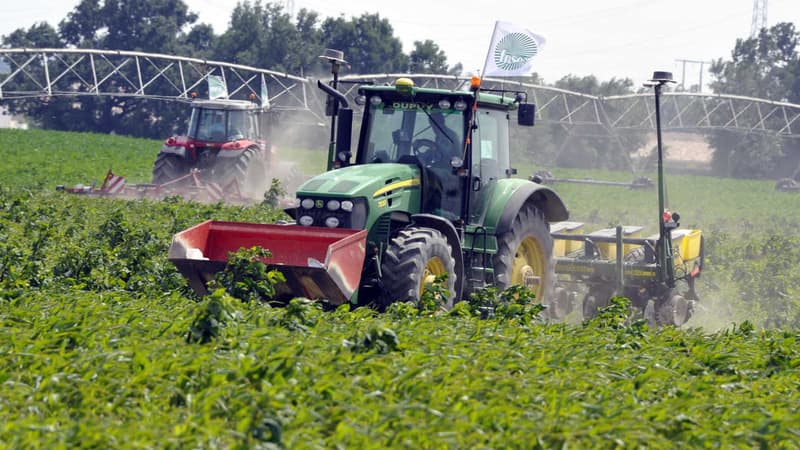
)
(429, 128)
(223, 121)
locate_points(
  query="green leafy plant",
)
(434, 295)
(516, 302)
(211, 316)
(378, 339)
(94, 329)
(246, 276)
(274, 194)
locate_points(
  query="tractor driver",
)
(446, 141)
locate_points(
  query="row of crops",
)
(103, 345)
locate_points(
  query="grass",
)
(43, 159)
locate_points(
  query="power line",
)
(683, 72)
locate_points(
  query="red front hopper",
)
(318, 262)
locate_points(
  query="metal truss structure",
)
(43, 73)
(681, 111)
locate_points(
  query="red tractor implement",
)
(223, 156)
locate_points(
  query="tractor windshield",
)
(432, 135)
(411, 132)
(218, 125)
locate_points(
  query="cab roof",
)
(225, 104)
(433, 94)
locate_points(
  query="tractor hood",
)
(368, 180)
(357, 196)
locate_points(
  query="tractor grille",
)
(382, 228)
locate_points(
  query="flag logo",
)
(514, 51)
(511, 51)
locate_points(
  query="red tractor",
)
(223, 145)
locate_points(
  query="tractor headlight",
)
(347, 205)
(332, 222)
(460, 105)
(307, 203)
(333, 205)
(444, 103)
(375, 100)
(306, 221)
(361, 100)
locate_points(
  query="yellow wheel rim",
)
(433, 269)
(529, 264)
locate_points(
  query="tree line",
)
(265, 35)
(259, 35)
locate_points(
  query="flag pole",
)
(467, 156)
(473, 111)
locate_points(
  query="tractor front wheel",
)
(414, 258)
(168, 168)
(525, 255)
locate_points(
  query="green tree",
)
(143, 25)
(427, 57)
(162, 26)
(265, 36)
(368, 43)
(39, 35)
(765, 66)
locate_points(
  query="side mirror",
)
(526, 114)
(344, 131)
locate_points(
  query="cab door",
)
(489, 160)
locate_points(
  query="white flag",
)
(216, 87)
(512, 51)
(264, 93)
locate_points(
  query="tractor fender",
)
(177, 150)
(229, 151)
(449, 232)
(544, 198)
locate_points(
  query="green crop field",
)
(102, 344)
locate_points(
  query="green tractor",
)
(427, 192)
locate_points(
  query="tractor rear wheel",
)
(525, 255)
(247, 170)
(168, 168)
(414, 258)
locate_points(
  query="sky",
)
(608, 39)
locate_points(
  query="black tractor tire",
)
(525, 255)
(674, 310)
(168, 167)
(247, 170)
(413, 258)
